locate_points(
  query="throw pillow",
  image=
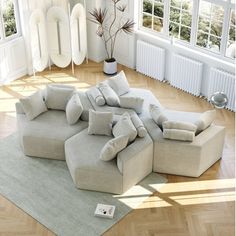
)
(135, 103)
(142, 132)
(177, 134)
(119, 83)
(96, 95)
(205, 120)
(110, 96)
(125, 127)
(33, 105)
(179, 125)
(157, 114)
(100, 123)
(113, 147)
(57, 97)
(74, 109)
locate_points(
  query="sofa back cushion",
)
(205, 120)
(119, 83)
(125, 127)
(74, 109)
(33, 105)
(113, 147)
(135, 103)
(95, 94)
(100, 123)
(110, 96)
(142, 132)
(157, 114)
(57, 97)
(178, 134)
(179, 125)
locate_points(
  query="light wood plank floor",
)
(184, 206)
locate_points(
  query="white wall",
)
(12, 60)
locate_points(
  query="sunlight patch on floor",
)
(204, 198)
(195, 185)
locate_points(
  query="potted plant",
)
(108, 30)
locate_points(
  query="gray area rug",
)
(44, 189)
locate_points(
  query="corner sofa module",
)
(186, 158)
(89, 172)
(45, 135)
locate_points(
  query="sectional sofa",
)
(49, 135)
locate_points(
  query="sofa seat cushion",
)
(45, 135)
(87, 170)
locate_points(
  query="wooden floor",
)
(184, 206)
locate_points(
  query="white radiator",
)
(221, 81)
(186, 74)
(150, 60)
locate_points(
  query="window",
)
(153, 14)
(8, 19)
(231, 45)
(210, 24)
(180, 19)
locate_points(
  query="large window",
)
(231, 45)
(8, 19)
(208, 25)
(180, 19)
(153, 14)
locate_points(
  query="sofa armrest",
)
(135, 161)
(19, 108)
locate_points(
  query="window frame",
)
(17, 20)
(227, 6)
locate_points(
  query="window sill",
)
(10, 39)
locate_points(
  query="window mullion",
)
(194, 25)
(1, 23)
(166, 19)
(225, 30)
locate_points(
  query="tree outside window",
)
(8, 18)
(231, 44)
(210, 24)
(180, 19)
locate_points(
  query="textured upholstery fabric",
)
(57, 97)
(179, 125)
(112, 147)
(19, 108)
(74, 109)
(134, 103)
(100, 123)
(185, 158)
(135, 161)
(89, 172)
(142, 132)
(95, 94)
(86, 106)
(157, 114)
(110, 96)
(119, 83)
(125, 127)
(33, 105)
(205, 120)
(178, 134)
(45, 135)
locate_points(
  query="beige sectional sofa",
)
(50, 136)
